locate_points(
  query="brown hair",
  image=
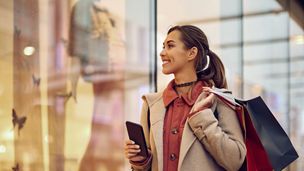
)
(214, 74)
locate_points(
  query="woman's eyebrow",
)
(169, 41)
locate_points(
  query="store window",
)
(71, 73)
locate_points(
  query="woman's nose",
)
(162, 53)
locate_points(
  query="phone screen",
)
(136, 134)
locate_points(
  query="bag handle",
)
(234, 106)
(229, 98)
(228, 103)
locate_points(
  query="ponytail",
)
(214, 74)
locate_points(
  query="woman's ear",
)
(192, 53)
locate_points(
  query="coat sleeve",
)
(144, 123)
(221, 137)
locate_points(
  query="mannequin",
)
(92, 29)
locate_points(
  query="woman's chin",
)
(166, 72)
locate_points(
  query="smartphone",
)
(136, 134)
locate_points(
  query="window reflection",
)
(97, 52)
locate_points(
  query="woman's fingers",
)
(207, 99)
(207, 89)
(137, 158)
(130, 142)
(210, 100)
(131, 153)
(132, 150)
(210, 97)
(134, 147)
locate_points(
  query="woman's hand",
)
(132, 150)
(206, 101)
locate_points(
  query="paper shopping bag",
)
(256, 157)
(276, 142)
(268, 146)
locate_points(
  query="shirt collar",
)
(170, 94)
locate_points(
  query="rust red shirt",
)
(178, 109)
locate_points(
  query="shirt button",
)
(174, 131)
(172, 157)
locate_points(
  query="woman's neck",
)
(182, 90)
(184, 78)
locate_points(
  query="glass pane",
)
(296, 91)
(231, 8)
(266, 49)
(231, 58)
(256, 6)
(230, 32)
(72, 72)
(265, 27)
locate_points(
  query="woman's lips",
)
(165, 62)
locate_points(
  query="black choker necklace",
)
(184, 84)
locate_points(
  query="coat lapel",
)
(188, 136)
(187, 140)
(157, 124)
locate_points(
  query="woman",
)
(182, 131)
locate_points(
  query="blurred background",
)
(72, 72)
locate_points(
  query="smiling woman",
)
(182, 114)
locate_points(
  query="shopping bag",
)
(268, 146)
(276, 142)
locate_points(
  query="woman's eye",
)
(170, 46)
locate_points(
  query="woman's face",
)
(174, 53)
